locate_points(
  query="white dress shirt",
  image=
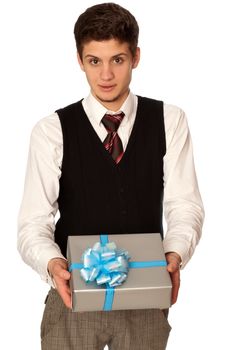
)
(183, 207)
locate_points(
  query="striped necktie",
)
(112, 142)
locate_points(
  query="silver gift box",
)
(144, 288)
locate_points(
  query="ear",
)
(136, 58)
(80, 62)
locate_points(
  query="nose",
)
(106, 72)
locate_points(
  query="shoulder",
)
(173, 116)
(176, 125)
(70, 110)
(47, 139)
(149, 102)
(47, 129)
(50, 127)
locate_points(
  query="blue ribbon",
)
(108, 265)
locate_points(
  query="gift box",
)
(146, 284)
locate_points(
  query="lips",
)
(107, 87)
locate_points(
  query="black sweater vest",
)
(99, 196)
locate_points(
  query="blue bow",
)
(104, 263)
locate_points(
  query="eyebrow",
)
(118, 54)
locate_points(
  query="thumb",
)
(64, 273)
(58, 268)
(174, 261)
(172, 267)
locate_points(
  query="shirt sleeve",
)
(183, 208)
(36, 221)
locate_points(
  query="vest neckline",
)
(100, 144)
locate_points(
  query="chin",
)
(108, 98)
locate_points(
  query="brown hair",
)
(106, 21)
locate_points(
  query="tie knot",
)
(112, 121)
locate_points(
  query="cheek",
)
(91, 75)
(126, 72)
(126, 76)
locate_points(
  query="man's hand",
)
(58, 270)
(174, 261)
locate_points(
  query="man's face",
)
(108, 67)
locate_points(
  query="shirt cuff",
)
(42, 266)
(180, 247)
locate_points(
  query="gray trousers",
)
(62, 329)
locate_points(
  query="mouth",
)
(106, 88)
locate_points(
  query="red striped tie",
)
(112, 142)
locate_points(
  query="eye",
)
(94, 61)
(118, 60)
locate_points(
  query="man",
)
(109, 163)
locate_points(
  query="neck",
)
(114, 104)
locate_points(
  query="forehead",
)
(105, 48)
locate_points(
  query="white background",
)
(186, 60)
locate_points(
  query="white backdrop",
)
(186, 60)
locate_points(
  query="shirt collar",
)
(96, 110)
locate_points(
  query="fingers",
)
(60, 271)
(60, 275)
(173, 268)
(65, 293)
(175, 277)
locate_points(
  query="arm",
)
(183, 208)
(36, 222)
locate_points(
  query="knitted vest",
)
(99, 196)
